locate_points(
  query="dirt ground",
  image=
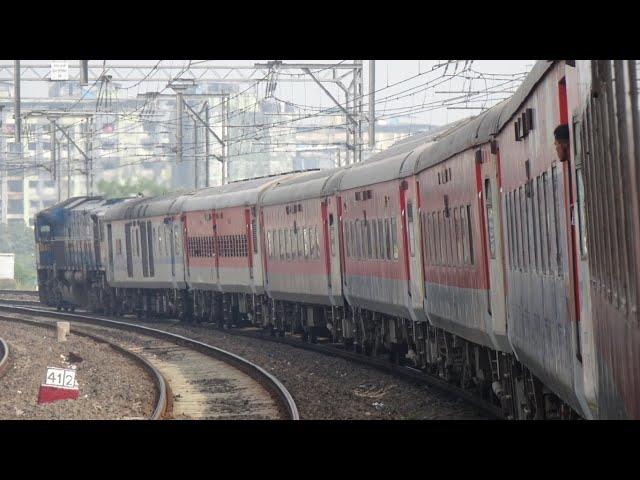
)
(112, 386)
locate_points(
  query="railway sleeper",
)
(495, 376)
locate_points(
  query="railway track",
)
(4, 356)
(205, 382)
(162, 402)
(333, 350)
(404, 372)
(326, 348)
(33, 293)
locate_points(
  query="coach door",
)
(185, 242)
(250, 240)
(413, 249)
(129, 246)
(216, 247)
(488, 163)
(325, 241)
(110, 252)
(172, 245)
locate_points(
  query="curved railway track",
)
(4, 356)
(33, 293)
(403, 372)
(162, 399)
(205, 382)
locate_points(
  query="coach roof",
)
(480, 129)
(303, 186)
(230, 195)
(140, 207)
(391, 163)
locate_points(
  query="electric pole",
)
(372, 104)
(3, 172)
(179, 126)
(54, 159)
(68, 167)
(206, 143)
(195, 153)
(16, 104)
(225, 143)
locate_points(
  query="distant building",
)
(136, 138)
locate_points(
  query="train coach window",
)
(276, 244)
(527, 231)
(446, 230)
(316, 234)
(358, 240)
(520, 208)
(457, 231)
(488, 199)
(300, 246)
(547, 221)
(332, 235)
(509, 222)
(425, 226)
(387, 239)
(287, 244)
(470, 235)
(254, 235)
(539, 200)
(534, 219)
(305, 239)
(380, 239)
(269, 244)
(394, 237)
(347, 239)
(556, 212)
(374, 238)
(432, 232)
(581, 212)
(464, 259)
(312, 242)
(451, 239)
(518, 229)
(412, 232)
(280, 250)
(367, 226)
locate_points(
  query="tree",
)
(18, 238)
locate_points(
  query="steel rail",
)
(272, 384)
(4, 356)
(162, 396)
(19, 292)
(406, 373)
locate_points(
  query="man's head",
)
(561, 134)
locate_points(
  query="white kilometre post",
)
(63, 329)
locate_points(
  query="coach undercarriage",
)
(495, 376)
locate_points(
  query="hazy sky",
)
(416, 97)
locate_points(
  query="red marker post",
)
(59, 384)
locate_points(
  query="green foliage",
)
(18, 238)
(25, 272)
(148, 188)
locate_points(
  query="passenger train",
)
(473, 252)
